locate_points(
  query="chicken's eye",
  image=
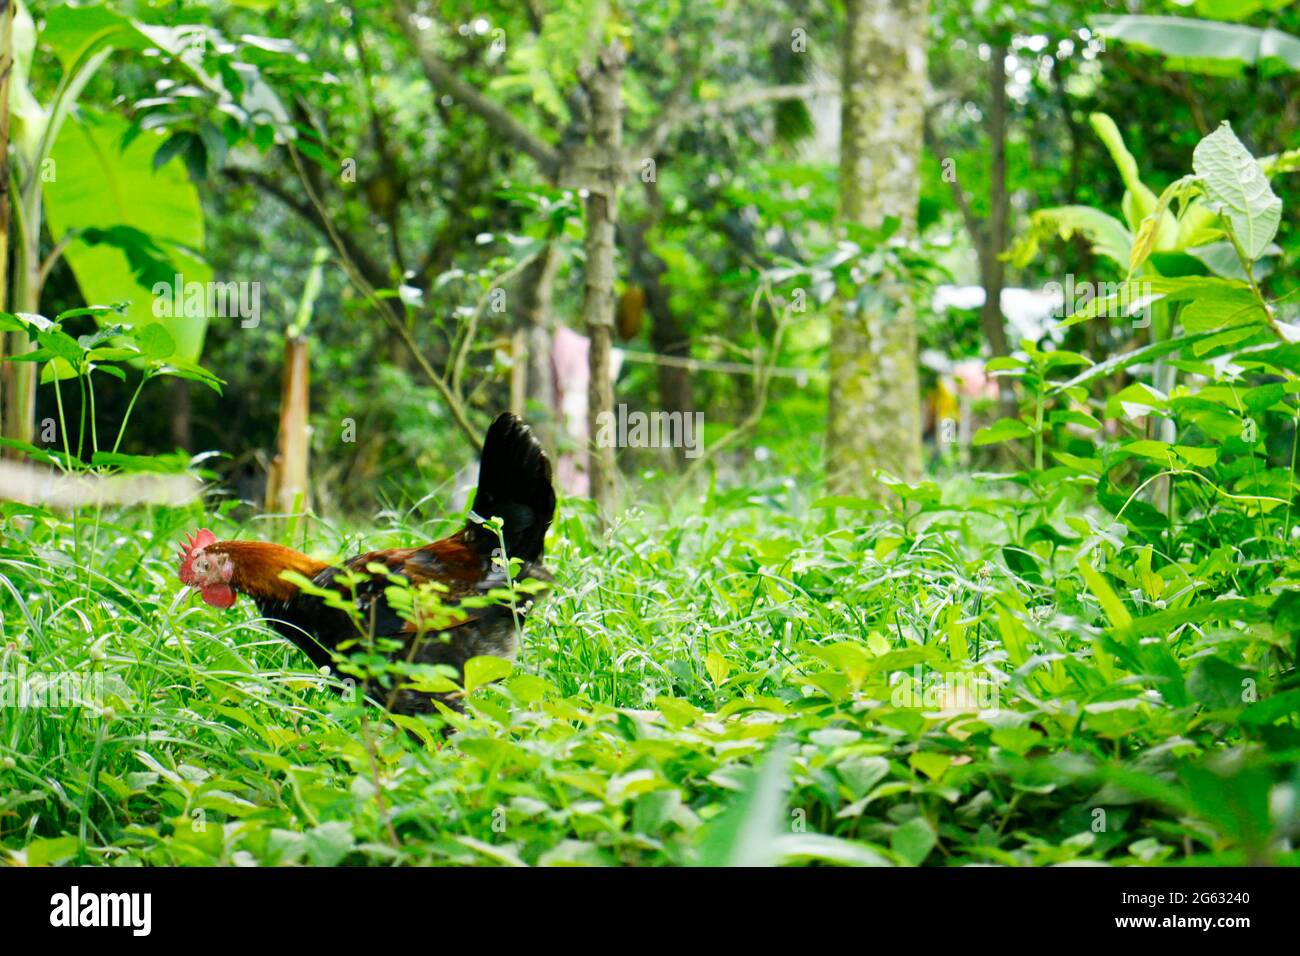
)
(201, 566)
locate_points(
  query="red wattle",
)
(219, 595)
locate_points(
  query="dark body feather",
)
(514, 485)
(319, 629)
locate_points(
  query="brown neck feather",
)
(258, 565)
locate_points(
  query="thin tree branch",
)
(44, 271)
(387, 166)
(442, 78)
(968, 216)
(454, 403)
(371, 268)
(467, 339)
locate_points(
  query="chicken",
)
(514, 485)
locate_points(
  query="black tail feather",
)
(514, 484)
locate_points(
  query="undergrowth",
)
(927, 697)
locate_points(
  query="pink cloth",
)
(973, 381)
(570, 354)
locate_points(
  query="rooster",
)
(468, 571)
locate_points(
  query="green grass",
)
(725, 680)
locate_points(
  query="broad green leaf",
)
(100, 186)
(329, 843)
(51, 851)
(72, 32)
(9, 322)
(500, 855)
(572, 853)
(1219, 684)
(61, 344)
(485, 669)
(156, 342)
(913, 840)
(174, 464)
(1019, 739)
(1199, 456)
(1105, 234)
(1234, 182)
(717, 666)
(1004, 429)
(1135, 401)
(1236, 10)
(745, 833)
(1267, 711)
(931, 764)
(1199, 45)
(1064, 359)
(75, 32)
(794, 848)
(1074, 417)
(1227, 309)
(1005, 363)
(1149, 448)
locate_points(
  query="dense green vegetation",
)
(677, 653)
(1072, 638)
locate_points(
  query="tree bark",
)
(874, 419)
(19, 378)
(8, 341)
(6, 68)
(287, 488)
(604, 83)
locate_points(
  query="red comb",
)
(196, 543)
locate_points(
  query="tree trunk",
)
(287, 489)
(6, 68)
(19, 378)
(874, 418)
(22, 274)
(604, 84)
